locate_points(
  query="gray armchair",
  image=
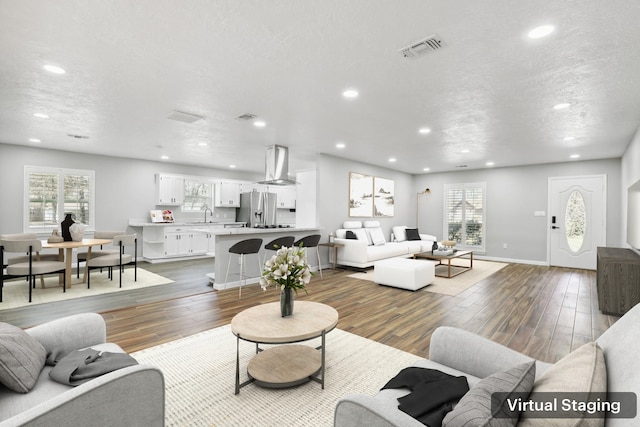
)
(132, 396)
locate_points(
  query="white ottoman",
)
(412, 274)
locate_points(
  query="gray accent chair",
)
(82, 256)
(25, 258)
(459, 352)
(132, 396)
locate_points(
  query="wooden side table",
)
(333, 247)
(289, 365)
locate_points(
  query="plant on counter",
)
(288, 268)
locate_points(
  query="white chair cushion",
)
(361, 234)
(109, 260)
(37, 268)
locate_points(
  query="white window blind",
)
(464, 215)
(50, 193)
(197, 195)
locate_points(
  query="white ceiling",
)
(490, 90)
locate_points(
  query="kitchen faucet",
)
(205, 213)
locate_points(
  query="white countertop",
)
(181, 224)
(250, 230)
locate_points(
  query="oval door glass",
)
(575, 221)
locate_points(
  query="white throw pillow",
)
(361, 234)
(377, 236)
(400, 233)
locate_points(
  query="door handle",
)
(554, 227)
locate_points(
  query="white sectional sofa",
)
(371, 245)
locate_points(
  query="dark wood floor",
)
(544, 312)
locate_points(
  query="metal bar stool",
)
(311, 241)
(242, 248)
(275, 244)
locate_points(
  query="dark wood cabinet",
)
(618, 280)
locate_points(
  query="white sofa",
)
(371, 245)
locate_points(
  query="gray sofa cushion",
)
(21, 358)
(475, 408)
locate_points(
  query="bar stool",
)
(311, 241)
(242, 248)
(275, 244)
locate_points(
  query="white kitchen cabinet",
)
(248, 187)
(170, 190)
(177, 242)
(227, 194)
(286, 197)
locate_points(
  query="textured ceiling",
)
(490, 90)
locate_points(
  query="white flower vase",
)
(77, 231)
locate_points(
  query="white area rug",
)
(16, 292)
(200, 379)
(457, 284)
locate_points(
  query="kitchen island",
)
(225, 238)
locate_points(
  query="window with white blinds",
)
(198, 195)
(464, 215)
(50, 193)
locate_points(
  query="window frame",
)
(446, 214)
(186, 196)
(60, 210)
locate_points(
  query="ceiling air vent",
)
(72, 135)
(422, 47)
(184, 117)
(247, 116)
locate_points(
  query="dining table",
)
(65, 253)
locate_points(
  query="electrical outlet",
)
(504, 246)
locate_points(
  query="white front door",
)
(577, 220)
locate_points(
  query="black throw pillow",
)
(412, 234)
(351, 235)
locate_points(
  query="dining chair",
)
(30, 268)
(243, 248)
(311, 241)
(25, 258)
(118, 259)
(82, 256)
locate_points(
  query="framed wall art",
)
(383, 197)
(360, 195)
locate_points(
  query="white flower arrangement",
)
(288, 268)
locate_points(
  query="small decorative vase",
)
(68, 222)
(55, 237)
(434, 247)
(286, 302)
(77, 231)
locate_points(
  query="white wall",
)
(125, 188)
(630, 175)
(513, 195)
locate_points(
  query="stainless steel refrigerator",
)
(258, 209)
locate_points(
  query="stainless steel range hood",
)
(277, 166)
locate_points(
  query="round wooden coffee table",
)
(286, 365)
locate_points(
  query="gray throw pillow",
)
(21, 358)
(475, 407)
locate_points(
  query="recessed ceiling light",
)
(424, 131)
(259, 124)
(164, 157)
(41, 115)
(426, 169)
(202, 144)
(561, 106)
(465, 151)
(340, 145)
(232, 166)
(392, 159)
(569, 138)
(54, 69)
(34, 140)
(490, 163)
(541, 31)
(350, 93)
(575, 156)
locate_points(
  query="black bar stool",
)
(275, 244)
(311, 241)
(242, 248)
